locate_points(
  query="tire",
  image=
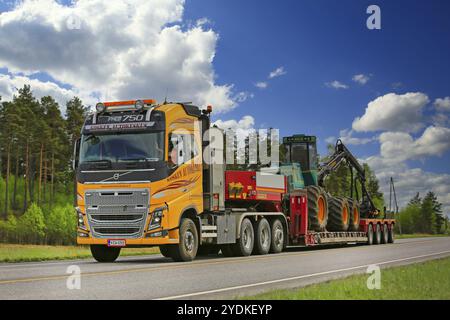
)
(377, 235)
(263, 238)
(166, 250)
(208, 249)
(354, 214)
(103, 253)
(385, 234)
(370, 235)
(317, 208)
(278, 236)
(186, 250)
(339, 217)
(227, 250)
(391, 234)
(244, 245)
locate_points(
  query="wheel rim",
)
(247, 238)
(345, 215)
(278, 236)
(355, 217)
(321, 211)
(265, 237)
(189, 241)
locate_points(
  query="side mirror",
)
(76, 154)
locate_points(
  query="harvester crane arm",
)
(342, 154)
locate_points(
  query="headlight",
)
(80, 221)
(155, 221)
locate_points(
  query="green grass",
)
(427, 280)
(419, 235)
(24, 253)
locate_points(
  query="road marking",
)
(198, 263)
(297, 277)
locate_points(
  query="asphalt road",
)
(155, 277)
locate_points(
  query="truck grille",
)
(117, 213)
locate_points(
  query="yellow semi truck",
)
(151, 174)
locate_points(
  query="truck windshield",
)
(120, 147)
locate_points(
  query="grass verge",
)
(24, 253)
(427, 280)
(419, 235)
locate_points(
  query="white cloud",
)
(261, 85)
(336, 85)
(122, 49)
(10, 84)
(277, 73)
(400, 146)
(393, 112)
(247, 122)
(243, 96)
(361, 78)
(347, 137)
(442, 104)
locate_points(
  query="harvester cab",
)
(301, 150)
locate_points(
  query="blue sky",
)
(316, 43)
(321, 41)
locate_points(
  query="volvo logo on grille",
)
(116, 176)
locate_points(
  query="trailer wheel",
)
(385, 234)
(277, 241)
(370, 234)
(186, 250)
(391, 235)
(377, 238)
(244, 245)
(103, 253)
(166, 250)
(317, 208)
(354, 214)
(263, 237)
(339, 216)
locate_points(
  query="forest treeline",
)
(36, 183)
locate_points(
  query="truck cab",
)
(138, 168)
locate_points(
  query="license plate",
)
(116, 243)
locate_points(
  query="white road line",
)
(297, 277)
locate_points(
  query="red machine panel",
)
(252, 185)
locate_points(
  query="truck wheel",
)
(385, 234)
(391, 235)
(227, 250)
(103, 253)
(339, 214)
(370, 234)
(377, 238)
(186, 250)
(244, 245)
(317, 208)
(277, 241)
(165, 250)
(354, 214)
(263, 237)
